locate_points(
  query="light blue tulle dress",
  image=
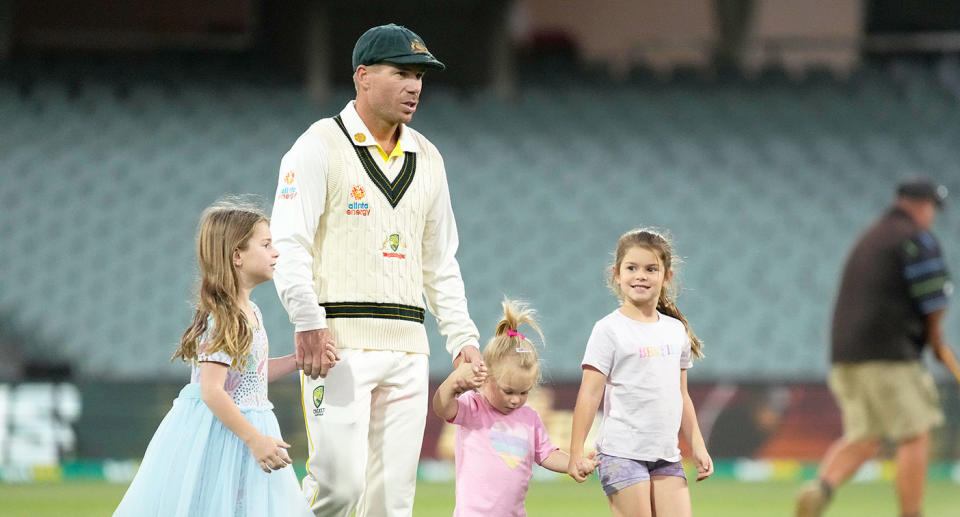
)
(196, 467)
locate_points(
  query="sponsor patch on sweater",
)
(394, 247)
(357, 206)
(287, 189)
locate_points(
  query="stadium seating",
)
(763, 183)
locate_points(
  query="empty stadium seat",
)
(764, 186)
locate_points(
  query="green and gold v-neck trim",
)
(393, 190)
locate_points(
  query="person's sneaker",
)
(811, 500)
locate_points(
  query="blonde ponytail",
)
(510, 348)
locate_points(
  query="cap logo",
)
(360, 137)
(418, 48)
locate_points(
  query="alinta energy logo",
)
(288, 191)
(358, 207)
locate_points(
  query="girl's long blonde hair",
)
(658, 243)
(225, 228)
(509, 348)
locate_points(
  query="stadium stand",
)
(763, 182)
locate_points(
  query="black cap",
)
(393, 44)
(923, 189)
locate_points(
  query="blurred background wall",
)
(764, 134)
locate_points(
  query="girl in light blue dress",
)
(218, 452)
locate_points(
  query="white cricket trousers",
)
(365, 428)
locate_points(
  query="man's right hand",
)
(316, 352)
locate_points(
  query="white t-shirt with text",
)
(642, 402)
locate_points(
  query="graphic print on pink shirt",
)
(511, 443)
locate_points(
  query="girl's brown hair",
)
(509, 348)
(659, 244)
(224, 228)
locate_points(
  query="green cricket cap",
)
(393, 44)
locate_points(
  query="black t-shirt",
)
(894, 277)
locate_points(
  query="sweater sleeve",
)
(299, 203)
(442, 283)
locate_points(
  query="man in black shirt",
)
(892, 299)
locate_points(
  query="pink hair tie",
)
(515, 333)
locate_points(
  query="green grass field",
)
(712, 498)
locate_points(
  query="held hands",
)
(581, 467)
(470, 354)
(468, 377)
(701, 458)
(465, 377)
(470, 371)
(316, 352)
(269, 452)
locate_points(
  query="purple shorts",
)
(617, 473)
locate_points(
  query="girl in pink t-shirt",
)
(498, 436)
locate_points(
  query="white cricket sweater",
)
(362, 242)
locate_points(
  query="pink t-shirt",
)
(495, 455)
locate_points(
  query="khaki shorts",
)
(885, 399)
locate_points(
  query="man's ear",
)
(361, 75)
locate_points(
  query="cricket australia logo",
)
(394, 247)
(317, 400)
(418, 48)
(357, 206)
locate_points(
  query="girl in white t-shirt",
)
(637, 359)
